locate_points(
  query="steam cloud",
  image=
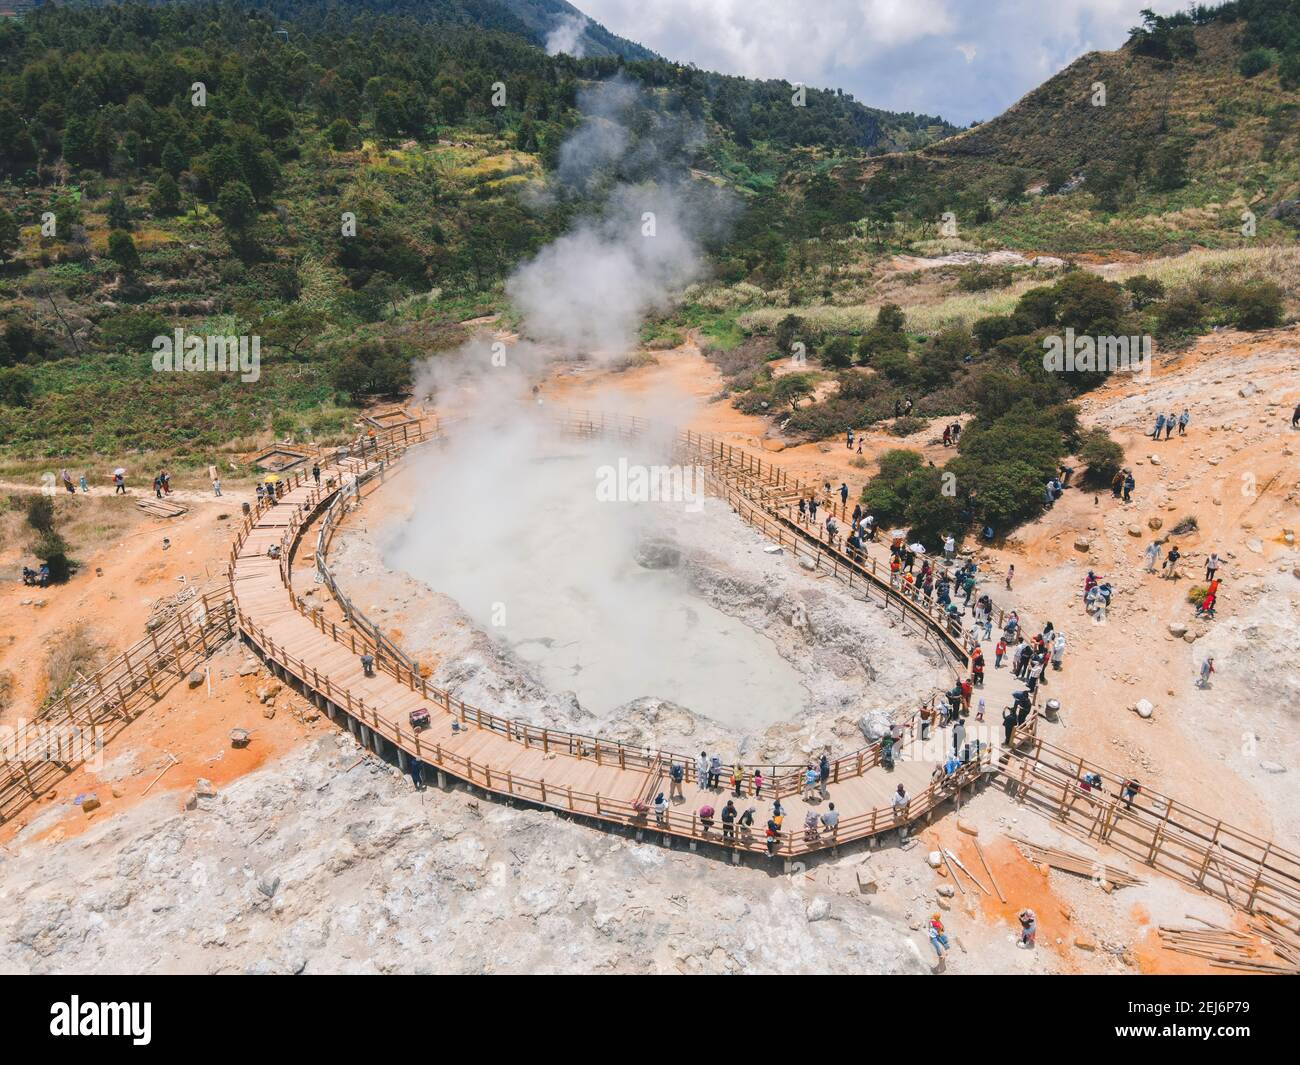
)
(566, 36)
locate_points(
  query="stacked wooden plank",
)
(161, 508)
(1284, 939)
(1093, 868)
(1225, 948)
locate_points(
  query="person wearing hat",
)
(661, 808)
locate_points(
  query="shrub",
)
(1101, 455)
(1144, 290)
(40, 514)
(16, 387)
(1254, 62)
(791, 388)
(1252, 304)
(53, 551)
(906, 426)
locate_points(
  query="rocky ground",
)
(329, 861)
(305, 854)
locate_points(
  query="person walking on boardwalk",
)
(661, 809)
(844, 494)
(368, 664)
(803, 510)
(824, 774)
(999, 649)
(315, 473)
(958, 736)
(702, 770)
(715, 773)
(1152, 555)
(812, 510)
(738, 780)
(898, 801)
(706, 818)
(758, 783)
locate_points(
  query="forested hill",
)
(186, 165)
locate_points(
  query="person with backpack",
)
(746, 822)
(729, 815)
(676, 774)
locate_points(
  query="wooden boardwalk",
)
(616, 783)
(584, 774)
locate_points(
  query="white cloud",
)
(962, 59)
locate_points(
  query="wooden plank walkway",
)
(583, 774)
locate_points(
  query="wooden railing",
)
(74, 728)
(635, 814)
(1245, 871)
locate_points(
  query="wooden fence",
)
(74, 728)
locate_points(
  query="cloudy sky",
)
(961, 59)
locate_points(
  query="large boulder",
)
(875, 725)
